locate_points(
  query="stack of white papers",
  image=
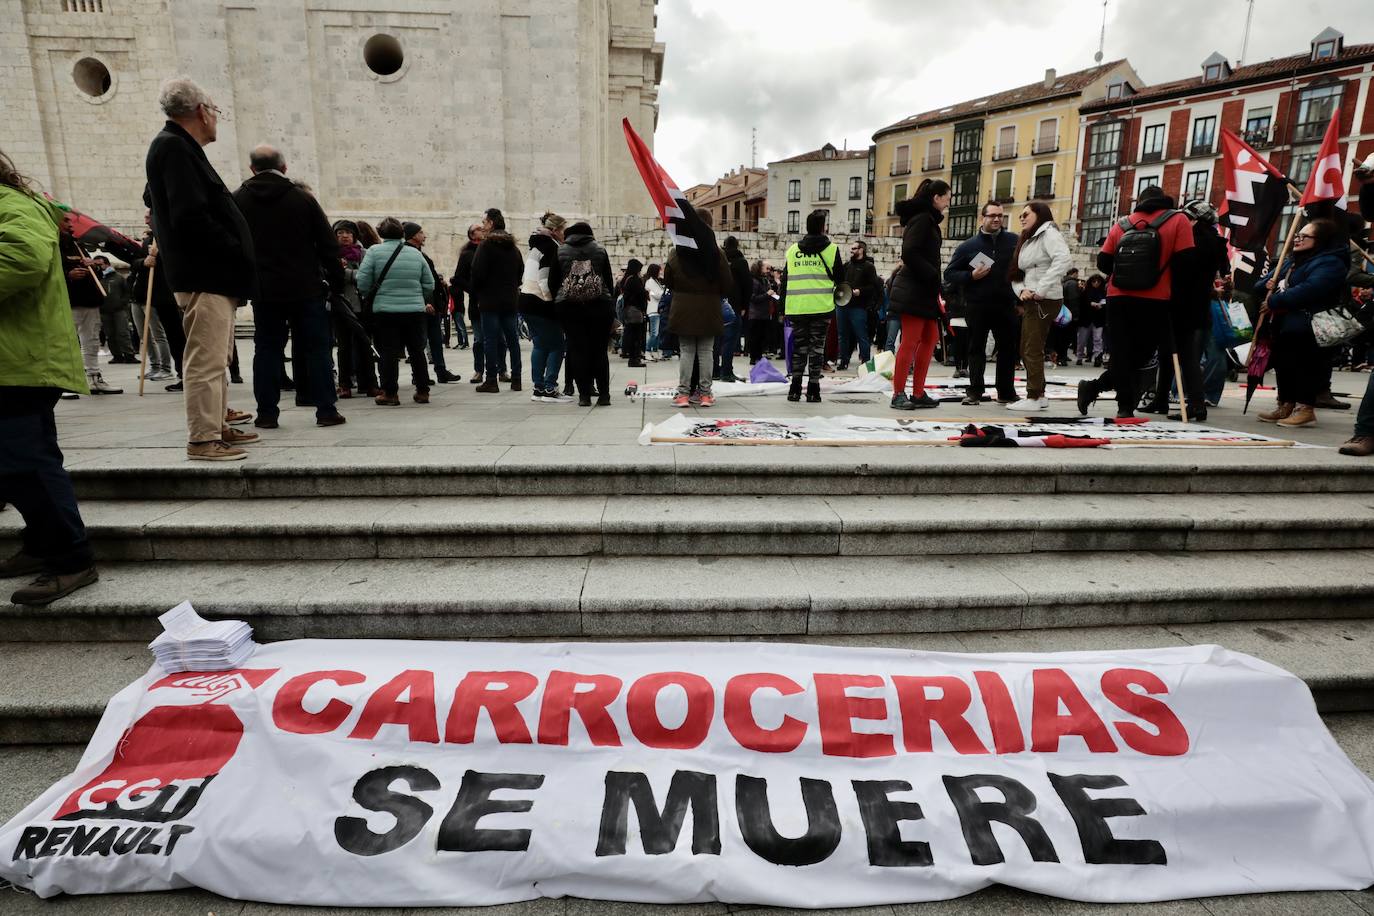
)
(189, 642)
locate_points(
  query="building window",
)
(1143, 182)
(968, 145)
(935, 155)
(901, 160)
(1212, 73)
(1195, 186)
(383, 54)
(823, 189)
(856, 188)
(898, 195)
(793, 220)
(1316, 104)
(1001, 187)
(1325, 51)
(1257, 125)
(1303, 159)
(737, 203)
(1152, 146)
(1047, 141)
(83, 6)
(1114, 90)
(92, 77)
(962, 226)
(1006, 143)
(1099, 206)
(1204, 136)
(1044, 181)
(853, 220)
(965, 188)
(794, 190)
(1104, 145)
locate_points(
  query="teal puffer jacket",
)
(408, 284)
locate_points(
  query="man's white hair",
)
(180, 97)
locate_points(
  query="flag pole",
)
(147, 318)
(1298, 218)
(1362, 253)
(89, 269)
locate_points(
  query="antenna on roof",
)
(1245, 44)
(754, 147)
(1102, 40)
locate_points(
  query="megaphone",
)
(844, 293)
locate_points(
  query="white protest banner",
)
(1052, 432)
(396, 773)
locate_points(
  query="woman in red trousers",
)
(916, 292)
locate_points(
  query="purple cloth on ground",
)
(764, 371)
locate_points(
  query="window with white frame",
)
(1195, 185)
(1152, 143)
(793, 220)
(793, 190)
(854, 221)
(856, 188)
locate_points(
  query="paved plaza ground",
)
(458, 416)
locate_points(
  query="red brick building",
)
(1170, 134)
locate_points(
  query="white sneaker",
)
(1027, 404)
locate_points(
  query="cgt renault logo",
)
(162, 765)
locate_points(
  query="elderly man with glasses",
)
(981, 267)
(206, 251)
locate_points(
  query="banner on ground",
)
(395, 773)
(872, 383)
(1059, 432)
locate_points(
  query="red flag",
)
(92, 233)
(1256, 193)
(1327, 181)
(695, 241)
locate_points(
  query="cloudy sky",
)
(804, 72)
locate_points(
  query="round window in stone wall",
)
(383, 55)
(92, 77)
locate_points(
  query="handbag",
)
(1335, 326)
(727, 313)
(1231, 325)
(367, 299)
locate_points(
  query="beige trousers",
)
(208, 320)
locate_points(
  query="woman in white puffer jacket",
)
(1037, 277)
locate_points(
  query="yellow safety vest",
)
(810, 289)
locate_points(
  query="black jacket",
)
(743, 289)
(497, 269)
(138, 275)
(994, 290)
(295, 246)
(636, 299)
(82, 292)
(916, 291)
(862, 277)
(581, 248)
(204, 244)
(462, 282)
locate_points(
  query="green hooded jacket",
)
(38, 346)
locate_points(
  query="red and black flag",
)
(693, 239)
(1327, 181)
(1256, 194)
(93, 234)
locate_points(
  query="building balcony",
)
(1202, 149)
(1258, 139)
(1042, 147)
(1004, 152)
(827, 199)
(933, 165)
(968, 157)
(1041, 190)
(793, 200)
(1004, 199)
(1152, 156)
(899, 168)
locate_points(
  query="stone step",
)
(57, 691)
(548, 526)
(455, 470)
(674, 595)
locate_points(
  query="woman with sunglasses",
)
(1311, 282)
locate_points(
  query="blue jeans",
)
(653, 334)
(309, 323)
(894, 327)
(546, 354)
(501, 336)
(726, 345)
(1213, 369)
(33, 480)
(853, 322)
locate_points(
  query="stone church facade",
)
(430, 110)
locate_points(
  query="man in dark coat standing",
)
(990, 302)
(862, 277)
(298, 269)
(206, 251)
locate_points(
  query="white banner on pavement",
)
(1055, 432)
(395, 773)
(941, 389)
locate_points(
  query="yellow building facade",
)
(1012, 147)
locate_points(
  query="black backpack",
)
(1136, 264)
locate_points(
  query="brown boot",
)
(48, 587)
(230, 436)
(21, 564)
(214, 451)
(489, 386)
(1359, 447)
(421, 397)
(1302, 415)
(1280, 412)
